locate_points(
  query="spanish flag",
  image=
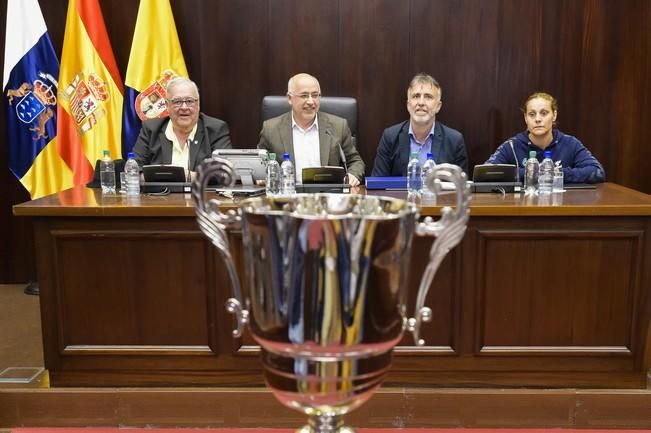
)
(90, 92)
(156, 57)
(31, 68)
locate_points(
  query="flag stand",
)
(32, 288)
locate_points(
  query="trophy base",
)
(324, 389)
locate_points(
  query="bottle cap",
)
(131, 155)
(272, 155)
(106, 152)
(548, 154)
(430, 156)
(414, 155)
(532, 154)
(286, 156)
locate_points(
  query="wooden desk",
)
(552, 294)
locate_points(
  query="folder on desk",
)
(386, 182)
(399, 183)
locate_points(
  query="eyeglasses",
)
(189, 102)
(306, 96)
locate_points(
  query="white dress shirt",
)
(306, 147)
(180, 154)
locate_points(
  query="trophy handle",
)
(214, 223)
(448, 230)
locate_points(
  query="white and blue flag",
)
(29, 86)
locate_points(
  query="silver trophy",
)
(326, 285)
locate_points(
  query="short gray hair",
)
(302, 74)
(181, 80)
(423, 78)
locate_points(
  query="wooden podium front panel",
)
(541, 295)
(149, 287)
(134, 301)
(553, 301)
(557, 290)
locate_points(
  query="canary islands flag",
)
(29, 85)
(90, 92)
(156, 57)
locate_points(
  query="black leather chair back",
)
(119, 167)
(341, 106)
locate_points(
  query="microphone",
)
(517, 164)
(342, 155)
(188, 176)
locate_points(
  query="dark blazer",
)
(393, 151)
(276, 136)
(153, 147)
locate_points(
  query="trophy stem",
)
(323, 423)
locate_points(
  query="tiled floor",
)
(20, 334)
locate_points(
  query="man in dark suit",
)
(187, 136)
(311, 138)
(421, 133)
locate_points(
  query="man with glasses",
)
(187, 136)
(312, 138)
(421, 133)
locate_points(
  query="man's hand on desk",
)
(352, 180)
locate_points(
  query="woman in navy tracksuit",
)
(540, 111)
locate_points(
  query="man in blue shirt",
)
(421, 133)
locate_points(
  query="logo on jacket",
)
(151, 103)
(35, 102)
(86, 96)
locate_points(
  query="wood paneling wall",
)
(488, 55)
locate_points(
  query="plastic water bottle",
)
(107, 174)
(273, 176)
(414, 180)
(427, 168)
(132, 175)
(558, 177)
(288, 186)
(546, 174)
(531, 174)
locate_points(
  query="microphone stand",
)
(517, 164)
(342, 155)
(188, 177)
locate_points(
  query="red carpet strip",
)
(276, 430)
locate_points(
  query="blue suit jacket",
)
(393, 151)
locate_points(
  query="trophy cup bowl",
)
(325, 295)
